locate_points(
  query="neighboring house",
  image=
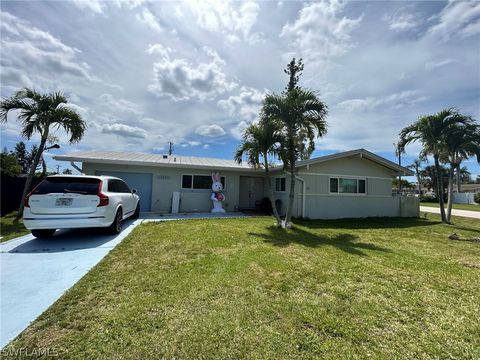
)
(350, 184)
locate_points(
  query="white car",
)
(79, 201)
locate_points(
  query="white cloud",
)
(189, 143)
(124, 130)
(320, 32)
(179, 79)
(129, 4)
(436, 64)
(147, 18)
(42, 57)
(457, 18)
(210, 130)
(237, 130)
(159, 49)
(95, 6)
(402, 21)
(115, 104)
(245, 105)
(393, 101)
(233, 19)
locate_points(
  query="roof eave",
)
(152, 164)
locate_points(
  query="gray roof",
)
(131, 158)
(399, 170)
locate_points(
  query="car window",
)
(123, 187)
(118, 186)
(113, 186)
(86, 186)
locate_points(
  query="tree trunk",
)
(450, 193)
(270, 193)
(44, 167)
(419, 185)
(459, 179)
(440, 189)
(31, 174)
(291, 194)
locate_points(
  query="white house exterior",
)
(351, 184)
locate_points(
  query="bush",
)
(477, 198)
(428, 198)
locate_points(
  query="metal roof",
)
(399, 170)
(132, 158)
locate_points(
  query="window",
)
(348, 186)
(118, 186)
(280, 183)
(199, 182)
(113, 186)
(362, 187)
(333, 185)
(123, 187)
(202, 182)
(86, 186)
(186, 181)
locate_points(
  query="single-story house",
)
(350, 184)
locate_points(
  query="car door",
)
(128, 198)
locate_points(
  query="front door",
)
(251, 190)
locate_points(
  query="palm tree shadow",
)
(344, 241)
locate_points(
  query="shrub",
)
(477, 198)
(428, 198)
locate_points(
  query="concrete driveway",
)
(35, 273)
(463, 213)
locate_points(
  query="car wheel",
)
(45, 233)
(136, 214)
(116, 226)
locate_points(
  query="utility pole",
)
(399, 154)
(58, 169)
(170, 148)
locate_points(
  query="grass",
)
(239, 288)
(470, 207)
(10, 229)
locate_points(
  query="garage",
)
(142, 182)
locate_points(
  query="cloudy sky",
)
(194, 73)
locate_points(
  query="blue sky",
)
(146, 73)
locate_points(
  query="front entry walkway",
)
(463, 213)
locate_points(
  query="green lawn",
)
(10, 229)
(471, 207)
(239, 288)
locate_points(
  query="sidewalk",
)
(463, 213)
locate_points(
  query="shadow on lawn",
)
(367, 223)
(344, 241)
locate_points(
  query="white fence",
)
(464, 198)
(409, 206)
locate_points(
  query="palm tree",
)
(431, 131)
(41, 113)
(416, 166)
(462, 142)
(300, 117)
(259, 142)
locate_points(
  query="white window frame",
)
(192, 189)
(280, 177)
(348, 177)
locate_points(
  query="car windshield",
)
(84, 186)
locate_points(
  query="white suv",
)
(79, 201)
